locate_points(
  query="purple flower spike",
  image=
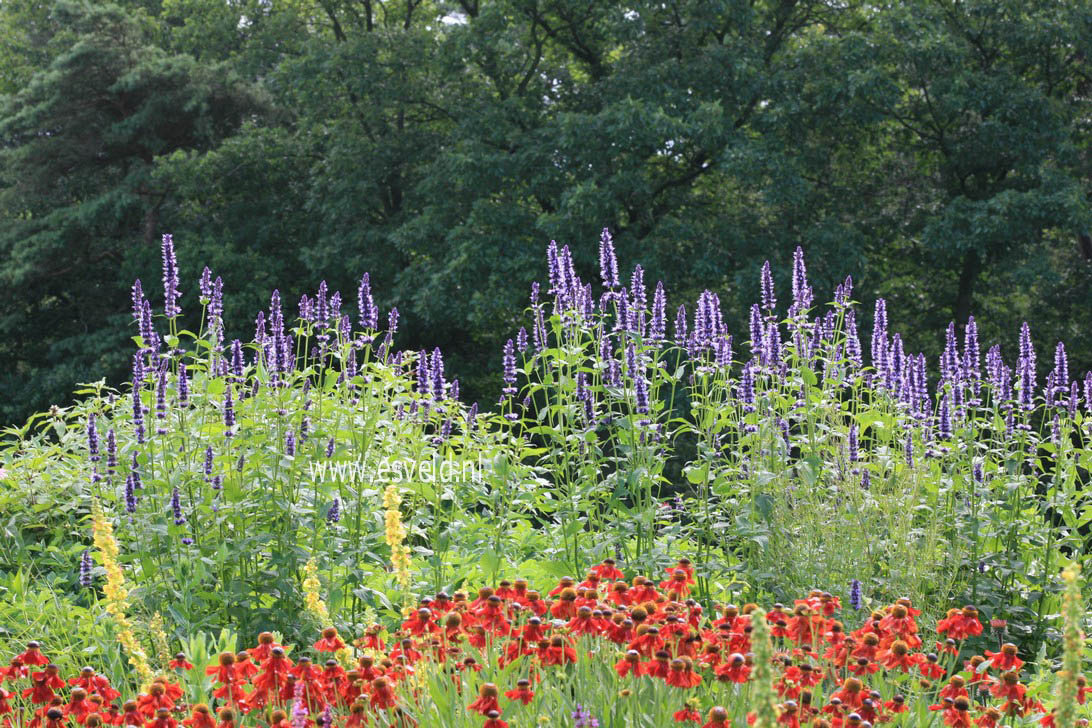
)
(509, 368)
(85, 569)
(769, 301)
(176, 507)
(1025, 368)
(680, 326)
(170, 278)
(92, 439)
(608, 262)
(657, 329)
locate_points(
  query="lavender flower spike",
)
(170, 278)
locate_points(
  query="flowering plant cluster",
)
(502, 651)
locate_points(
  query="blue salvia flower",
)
(111, 452)
(949, 360)
(422, 372)
(553, 266)
(170, 278)
(1060, 373)
(971, 359)
(1056, 430)
(844, 293)
(237, 362)
(758, 331)
(866, 480)
(944, 420)
(138, 301)
(784, 425)
(1025, 368)
(472, 417)
(614, 373)
(161, 401)
(208, 462)
(879, 336)
(637, 288)
(321, 308)
(134, 468)
(147, 330)
(641, 392)
(509, 368)
(261, 338)
(747, 387)
(366, 308)
(657, 328)
(130, 493)
(631, 360)
(229, 410)
(801, 291)
(622, 317)
(85, 569)
(723, 352)
(908, 450)
(176, 507)
(853, 341)
(138, 413)
(1074, 399)
(977, 473)
(453, 392)
(330, 448)
(521, 339)
(852, 445)
(769, 300)
(855, 595)
(771, 348)
(305, 428)
(216, 312)
(437, 375)
(680, 326)
(538, 332)
(183, 386)
(290, 443)
(1088, 392)
(994, 365)
(92, 439)
(204, 287)
(608, 262)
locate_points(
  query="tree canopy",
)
(936, 149)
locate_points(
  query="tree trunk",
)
(972, 266)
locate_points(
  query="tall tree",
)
(77, 196)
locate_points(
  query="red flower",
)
(1006, 659)
(180, 663)
(687, 715)
(487, 700)
(201, 717)
(382, 694)
(523, 692)
(32, 656)
(717, 718)
(681, 674)
(494, 721)
(607, 571)
(330, 641)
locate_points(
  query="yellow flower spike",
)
(1065, 715)
(396, 537)
(312, 599)
(159, 638)
(117, 596)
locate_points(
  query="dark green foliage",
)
(935, 150)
